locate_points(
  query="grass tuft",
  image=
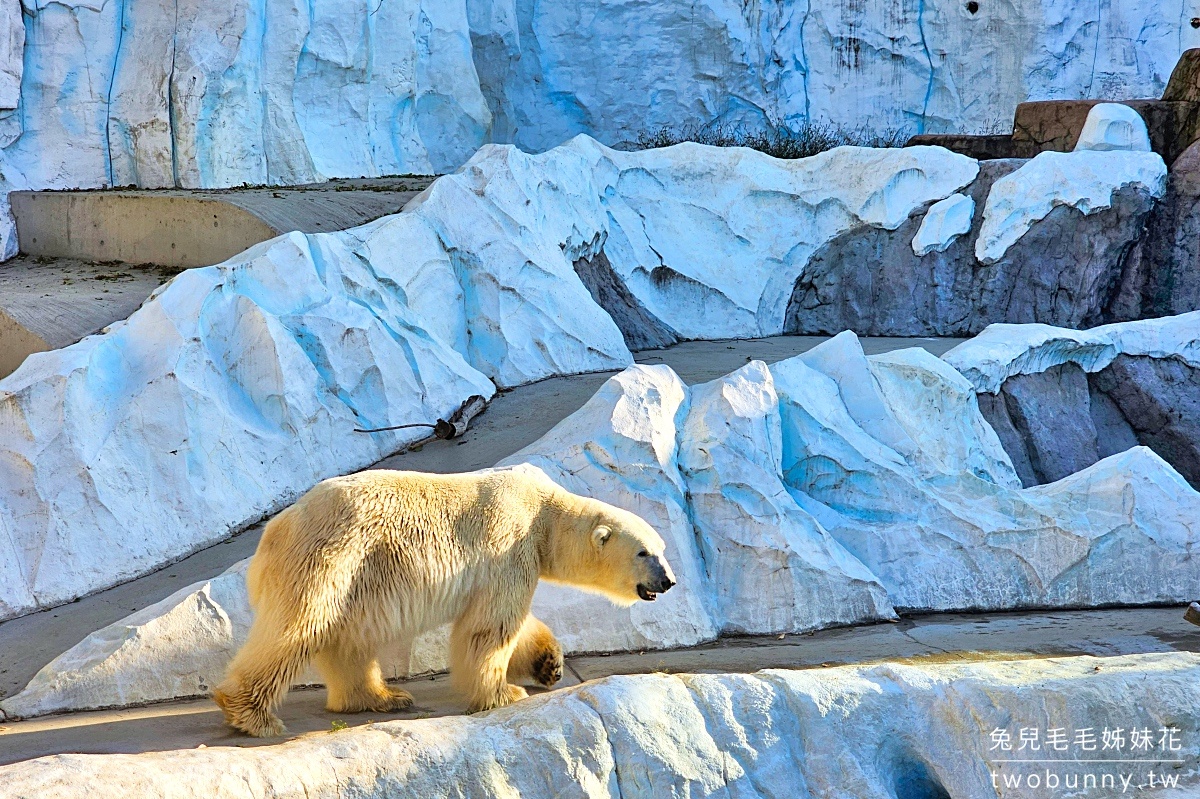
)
(811, 139)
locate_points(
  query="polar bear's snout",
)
(661, 579)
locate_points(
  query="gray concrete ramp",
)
(50, 303)
(184, 228)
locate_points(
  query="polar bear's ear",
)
(601, 535)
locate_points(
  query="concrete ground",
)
(513, 420)
(47, 303)
(940, 638)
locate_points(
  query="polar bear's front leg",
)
(537, 656)
(481, 646)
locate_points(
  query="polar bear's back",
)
(407, 537)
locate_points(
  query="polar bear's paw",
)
(383, 700)
(506, 695)
(395, 700)
(243, 714)
(548, 667)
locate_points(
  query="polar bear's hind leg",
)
(354, 681)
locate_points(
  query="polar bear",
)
(380, 556)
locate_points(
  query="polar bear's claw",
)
(548, 668)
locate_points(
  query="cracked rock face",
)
(1060, 400)
(1057, 422)
(1163, 273)
(822, 491)
(859, 732)
(1050, 413)
(1059, 266)
(640, 328)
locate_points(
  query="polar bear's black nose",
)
(666, 584)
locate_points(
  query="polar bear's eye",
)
(643, 554)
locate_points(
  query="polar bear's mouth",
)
(646, 594)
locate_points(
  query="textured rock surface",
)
(1001, 351)
(1142, 386)
(1051, 413)
(980, 541)
(1163, 273)
(640, 328)
(860, 732)
(513, 225)
(1059, 421)
(1084, 180)
(1184, 85)
(1061, 271)
(12, 50)
(818, 492)
(772, 566)
(202, 94)
(1112, 126)
(1159, 400)
(711, 241)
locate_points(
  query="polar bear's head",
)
(625, 559)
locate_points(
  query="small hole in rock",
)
(973, 7)
(913, 779)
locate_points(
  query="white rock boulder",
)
(1085, 180)
(859, 732)
(951, 528)
(944, 222)
(773, 568)
(1112, 126)
(1003, 351)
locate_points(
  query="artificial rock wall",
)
(217, 93)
